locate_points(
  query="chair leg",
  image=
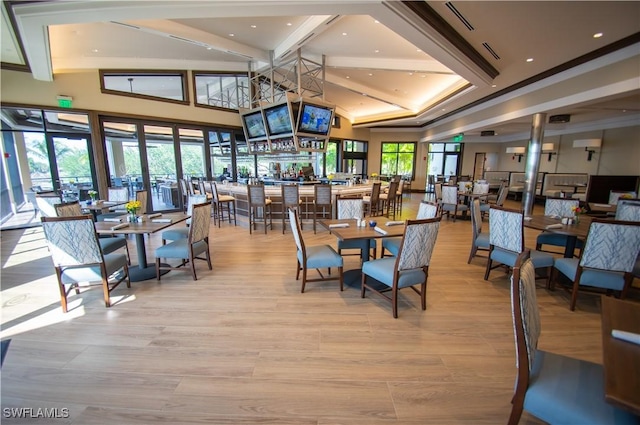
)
(304, 278)
(394, 302)
(574, 293)
(63, 297)
(158, 269)
(362, 285)
(297, 270)
(423, 295)
(472, 254)
(105, 291)
(341, 274)
(486, 273)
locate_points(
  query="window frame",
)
(183, 74)
(397, 152)
(195, 74)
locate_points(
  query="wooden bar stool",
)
(321, 202)
(220, 203)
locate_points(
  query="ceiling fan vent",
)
(485, 133)
(456, 12)
(559, 119)
(490, 49)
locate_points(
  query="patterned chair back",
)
(290, 194)
(418, 243)
(322, 194)
(118, 194)
(502, 194)
(560, 207)
(142, 196)
(350, 208)
(450, 195)
(480, 188)
(295, 229)
(193, 200)
(256, 194)
(628, 210)
(524, 309)
(476, 218)
(68, 209)
(438, 190)
(615, 195)
(611, 245)
(200, 221)
(506, 229)
(427, 210)
(72, 241)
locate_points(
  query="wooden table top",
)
(147, 226)
(95, 206)
(540, 222)
(621, 358)
(354, 232)
(594, 206)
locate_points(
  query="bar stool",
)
(290, 199)
(372, 202)
(258, 202)
(321, 201)
(389, 199)
(219, 204)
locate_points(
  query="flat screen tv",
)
(314, 119)
(278, 120)
(253, 124)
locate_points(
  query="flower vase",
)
(132, 217)
(576, 219)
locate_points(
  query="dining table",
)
(151, 223)
(98, 207)
(347, 229)
(621, 358)
(554, 224)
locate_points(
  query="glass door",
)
(123, 155)
(161, 166)
(73, 173)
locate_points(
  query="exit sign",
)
(65, 101)
(458, 137)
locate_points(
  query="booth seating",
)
(516, 184)
(495, 179)
(556, 185)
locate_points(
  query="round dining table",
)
(554, 224)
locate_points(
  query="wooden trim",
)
(149, 73)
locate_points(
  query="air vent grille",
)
(559, 119)
(493, 53)
(456, 12)
(485, 133)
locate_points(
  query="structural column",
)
(532, 166)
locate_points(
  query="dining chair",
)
(558, 207)
(607, 260)
(628, 210)
(425, 210)
(348, 208)
(372, 202)
(141, 196)
(408, 269)
(78, 258)
(259, 203)
(46, 202)
(501, 196)
(437, 188)
(175, 233)
(615, 195)
(479, 240)
(506, 242)
(450, 202)
(322, 202)
(314, 257)
(220, 203)
(189, 249)
(108, 244)
(554, 388)
(389, 199)
(185, 192)
(290, 195)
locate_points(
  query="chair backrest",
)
(200, 221)
(72, 241)
(506, 229)
(438, 189)
(118, 194)
(201, 187)
(193, 200)
(290, 194)
(256, 194)
(526, 317)
(375, 192)
(480, 188)
(322, 193)
(46, 203)
(476, 218)
(450, 195)
(142, 196)
(294, 222)
(611, 245)
(68, 209)
(427, 210)
(628, 210)
(393, 188)
(561, 207)
(417, 245)
(502, 194)
(350, 208)
(214, 191)
(615, 195)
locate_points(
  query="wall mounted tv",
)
(254, 126)
(278, 118)
(314, 119)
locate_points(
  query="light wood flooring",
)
(242, 345)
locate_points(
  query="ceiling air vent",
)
(485, 133)
(559, 119)
(459, 15)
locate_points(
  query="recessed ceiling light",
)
(418, 50)
(289, 24)
(344, 33)
(443, 109)
(232, 35)
(375, 21)
(376, 51)
(530, 60)
(254, 26)
(493, 85)
(411, 73)
(423, 76)
(95, 50)
(348, 77)
(598, 35)
(370, 75)
(209, 48)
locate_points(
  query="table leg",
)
(143, 271)
(570, 247)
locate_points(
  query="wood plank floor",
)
(242, 345)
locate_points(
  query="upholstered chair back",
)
(427, 210)
(322, 194)
(290, 194)
(418, 243)
(506, 227)
(476, 218)
(611, 245)
(68, 209)
(118, 194)
(450, 195)
(525, 307)
(295, 229)
(350, 208)
(480, 188)
(560, 207)
(142, 196)
(256, 194)
(628, 210)
(72, 241)
(200, 221)
(615, 195)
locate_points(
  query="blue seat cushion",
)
(180, 249)
(321, 256)
(482, 241)
(508, 258)
(556, 239)
(590, 277)
(484, 207)
(113, 263)
(451, 207)
(382, 271)
(175, 234)
(109, 245)
(392, 245)
(564, 390)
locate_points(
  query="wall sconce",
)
(548, 148)
(518, 151)
(586, 144)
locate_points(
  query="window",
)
(229, 91)
(168, 86)
(398, 158)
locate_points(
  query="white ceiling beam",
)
(382, 64)
(310, 28)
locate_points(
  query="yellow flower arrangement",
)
(330, 176)
(374, 175)
(132, 207)
(626, 196)
(578, 210)
(93, 194)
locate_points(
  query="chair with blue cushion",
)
(628, 210)
(348, 208)
(314, 257)
(479, 240)
(607, 260)
(189, 249)
(78, 258)
(554, 388)
(558, 207)
(409, 268)
(506, 242)
(425, 210)
(450, 202)
(183, 232)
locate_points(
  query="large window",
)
(398, 158)
(155, 85)
(229, 91)
(444, 160)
